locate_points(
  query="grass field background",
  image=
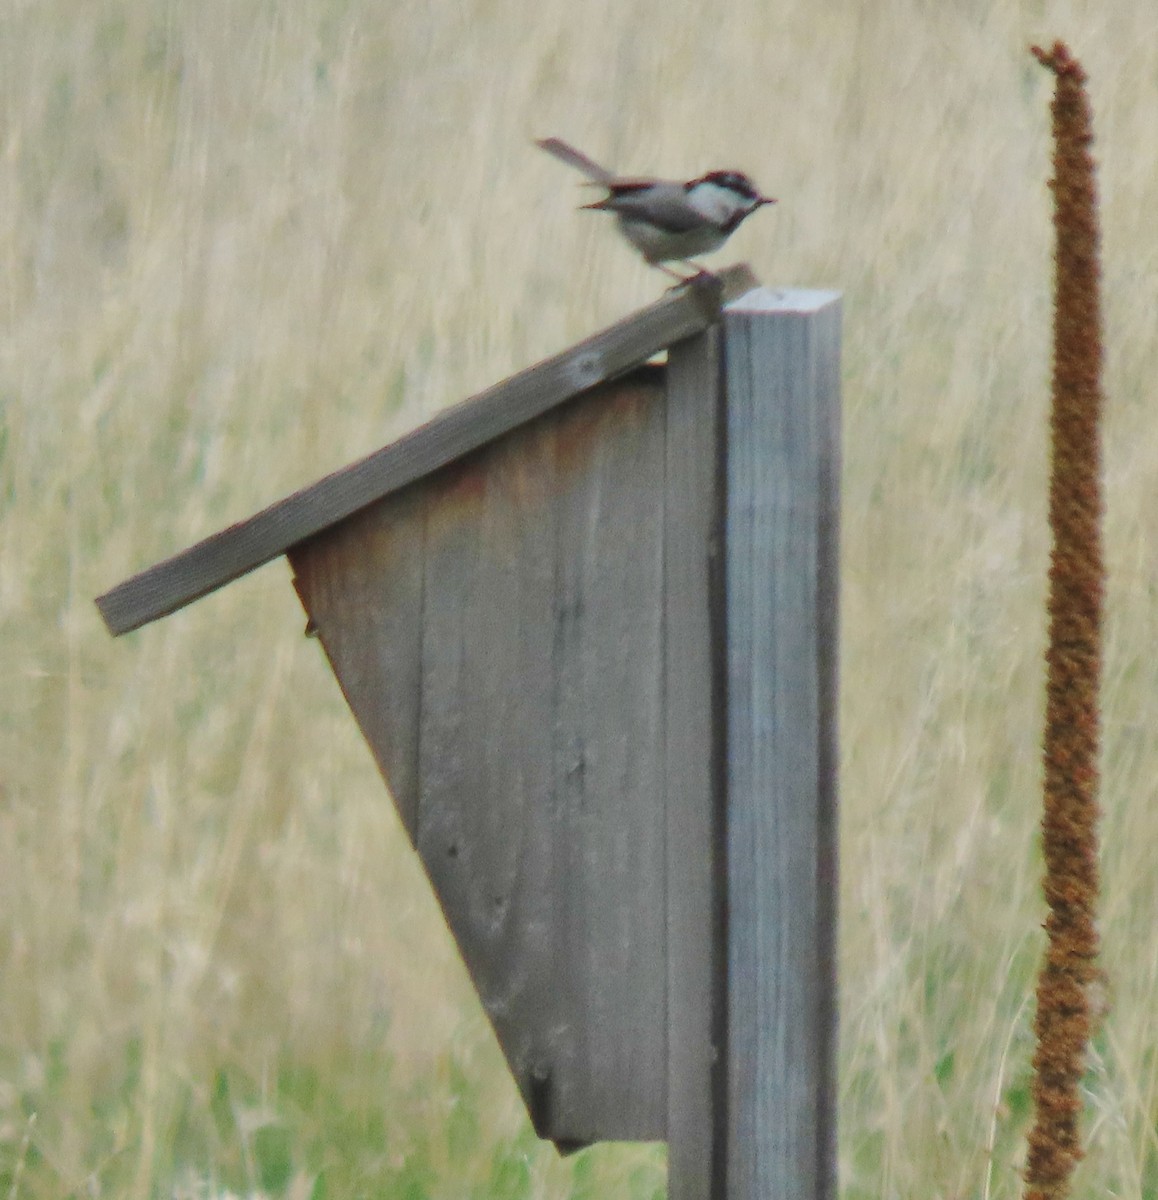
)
(243, 242)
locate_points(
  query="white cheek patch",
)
(714, 202)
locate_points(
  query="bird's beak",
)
(765, 200)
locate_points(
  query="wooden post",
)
(782, 387)
(695, 667)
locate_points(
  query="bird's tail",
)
(576, 158)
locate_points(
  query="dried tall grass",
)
(245, 242)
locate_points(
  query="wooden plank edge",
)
(223, 557)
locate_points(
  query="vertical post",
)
(781, 357)
(694, 670)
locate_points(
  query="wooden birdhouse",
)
(587, 623)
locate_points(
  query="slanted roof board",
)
(223, 557)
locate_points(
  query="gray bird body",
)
(668, 221)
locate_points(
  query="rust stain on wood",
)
(586, 427)
(578, 432)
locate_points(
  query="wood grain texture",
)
(223, 557)
(693, 596)
(361, 585)
(487, 832)
(497, 630)
(781, 355)
(609, 766)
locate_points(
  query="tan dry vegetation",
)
(244, 242)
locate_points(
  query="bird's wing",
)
(576, 158)
(662, 204)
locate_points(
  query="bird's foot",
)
(700, 277)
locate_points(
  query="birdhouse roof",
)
(224, 556)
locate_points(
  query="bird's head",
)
(726, 197)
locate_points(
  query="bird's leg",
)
(701, 272)
(700, 277)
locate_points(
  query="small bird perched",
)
(668, 221)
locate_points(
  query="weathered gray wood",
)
(361, 585)
(487, 831)
(781, 355)
(208, 565)
(525, 751)
(609, 768)
(695, 664)
(593, 649)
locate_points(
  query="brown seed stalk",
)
(1076, 589)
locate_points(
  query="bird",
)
(665, 220)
